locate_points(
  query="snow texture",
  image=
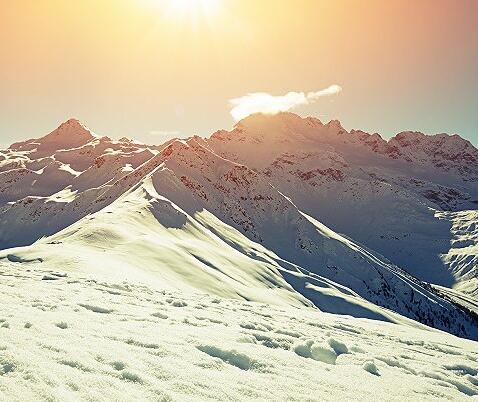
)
(135, 343)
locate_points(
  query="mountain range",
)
(281, 210)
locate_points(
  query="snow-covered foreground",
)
(72, 336)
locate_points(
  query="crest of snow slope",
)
(197, 180)
(68, 335)
(351, 181)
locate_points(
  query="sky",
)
(153, 69)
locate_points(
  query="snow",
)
(462, 257)
(320, 352)
(133, 342)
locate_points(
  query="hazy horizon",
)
(160, 137)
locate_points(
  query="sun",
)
(196, 8)
(193, 13)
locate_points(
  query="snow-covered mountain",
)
(241, 215)
(403, 198)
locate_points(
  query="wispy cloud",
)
(266, 103)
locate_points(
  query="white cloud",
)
(332, 90)
(266, 103)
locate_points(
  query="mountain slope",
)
(159, 244)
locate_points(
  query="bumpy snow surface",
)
(65, 336)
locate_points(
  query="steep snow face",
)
(383, 194)
(462, 258)
(69, 335)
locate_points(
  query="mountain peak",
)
(269, 118)
(287, 121)
(72, 126)
(70, 134)
(286, 127)
(71, 121)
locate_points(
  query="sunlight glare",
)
(206, 8)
